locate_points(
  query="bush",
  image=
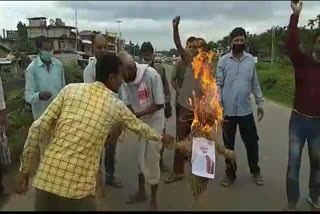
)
(277, 81)
(72, 72)
(18, 126)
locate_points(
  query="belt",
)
(308, 116)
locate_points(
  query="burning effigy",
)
(208, 117)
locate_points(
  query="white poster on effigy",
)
(203, 158)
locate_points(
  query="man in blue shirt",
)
(236, 79)
(44, 78)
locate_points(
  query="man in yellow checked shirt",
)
(80, 118)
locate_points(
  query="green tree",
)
(173, 51)
(22, 43)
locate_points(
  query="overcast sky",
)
(151, 20)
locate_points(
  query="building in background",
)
(112, 42)
(63, 37)
(9, 38)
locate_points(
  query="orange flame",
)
(208, 112)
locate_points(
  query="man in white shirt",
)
(3, 122)
(143, 93)
(89, 76)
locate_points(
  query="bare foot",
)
(137, 198)
(153, 207)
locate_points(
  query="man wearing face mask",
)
(44, 78)
(236, 79)
(304, 122)
(147, 54)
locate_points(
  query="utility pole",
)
(119, 31)
(272, 44)
(76, 17)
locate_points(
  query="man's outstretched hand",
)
(176, 21)
(296, 7)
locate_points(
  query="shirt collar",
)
(40, 63)
(103, 87)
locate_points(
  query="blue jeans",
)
(302, 129)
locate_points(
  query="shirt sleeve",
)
(256, 90)
(88, 74)
(292, 44)
(166, 87)
(2, 101)
(157, 89)
(220, 80)
(174, 72)
(124, 95)
(63, 77)
(31, 95)
(136, 125)
(38, 130)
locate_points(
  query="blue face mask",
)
(46, 55)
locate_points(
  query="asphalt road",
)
(244, 195)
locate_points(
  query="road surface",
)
(244, 195)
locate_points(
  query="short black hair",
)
(315, 36)
(191, 39)
(146, 47)
(202, 39)
(107, 64)
(42, 39)
(94, 36)
(238, 31)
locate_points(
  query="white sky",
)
(151, 20)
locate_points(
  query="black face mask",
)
(238, 47)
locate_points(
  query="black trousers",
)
(249, 135)
(45, 201)
(109, 162)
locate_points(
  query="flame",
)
(207, 110)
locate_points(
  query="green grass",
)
(277, 81)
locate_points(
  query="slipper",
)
(258, 179)
(314, 205)
(115, 183)
(136, 198)
(226, 181)
(174, 178)
(289, 209)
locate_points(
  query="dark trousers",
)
(109, 162)
(184, 118)
(45, 201)
(302, 129)
(249, 135)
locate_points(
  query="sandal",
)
(258, 179)
(136, 198)
(226, 181)
(314, 205)
(173, 178)
(115, 183)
